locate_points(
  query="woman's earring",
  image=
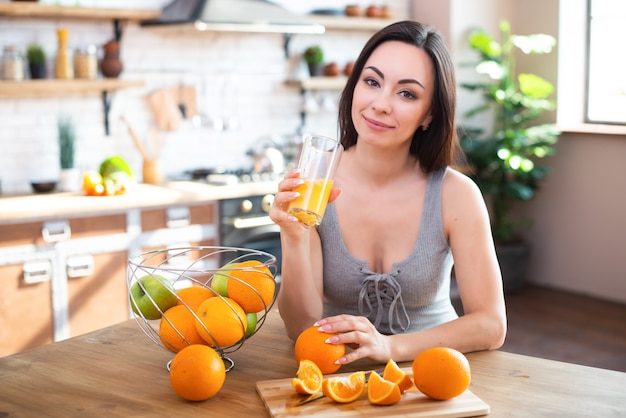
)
(425, 127)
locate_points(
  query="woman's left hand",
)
(358, 333)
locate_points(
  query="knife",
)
(319, 395)
(310, 398)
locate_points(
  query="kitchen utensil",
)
(43, 186)
(281, 400)
(163, 103)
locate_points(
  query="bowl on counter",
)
(43, 186)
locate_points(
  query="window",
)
(606, 76)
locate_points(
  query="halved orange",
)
(309, 378)
(395, 374)
(381, 391)
(344, 389)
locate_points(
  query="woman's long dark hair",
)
(436, 147)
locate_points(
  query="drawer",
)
(33, 233)
(26, 311)
(154, 219)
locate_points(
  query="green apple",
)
(219, 282)
(252, 320)
(151, 293)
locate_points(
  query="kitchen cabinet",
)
(179, 226)
(61, 278)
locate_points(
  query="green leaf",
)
(492, 69)
(534, 86)
(485, 44)
(534, 44)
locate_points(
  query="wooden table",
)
(118, 371)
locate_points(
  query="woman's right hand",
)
(278, 212)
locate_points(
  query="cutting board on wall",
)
(281, 400)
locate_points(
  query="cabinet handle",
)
(56, 231)
(79, 266)
(37, 271)
(177, 217)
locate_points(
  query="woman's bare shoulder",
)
(460, 185)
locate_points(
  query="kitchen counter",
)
(33, 207)
(119, 371)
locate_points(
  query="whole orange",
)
(441, 372)
(311, 345)
(177, 329)
(193, 296)
(93, 183)
(222, 321)
(197, 373)
(252, 286)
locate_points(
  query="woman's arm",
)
(300, 299)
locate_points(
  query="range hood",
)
(235, 16)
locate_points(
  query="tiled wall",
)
(250, 68)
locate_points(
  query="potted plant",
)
(69, 177)
(314, 57)
(36, 58)
(504, 162)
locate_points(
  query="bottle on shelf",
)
(63, 68)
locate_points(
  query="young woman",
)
(377, 270)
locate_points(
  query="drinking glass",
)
(317, 164)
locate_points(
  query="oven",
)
(245, 223)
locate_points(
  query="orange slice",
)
(344, 389)
(381, 391)
(309, 378)
(395, 374)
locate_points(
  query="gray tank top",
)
(413, 296)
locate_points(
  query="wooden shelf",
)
(56, 88)
(351, 23)
(320, 83)
(27, 9)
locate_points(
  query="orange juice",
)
(310, 206)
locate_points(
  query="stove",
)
(224, 177)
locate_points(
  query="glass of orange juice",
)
(317, 164)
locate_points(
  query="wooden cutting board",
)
(281, 401)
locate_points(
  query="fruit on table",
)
(249, 283)
(197, 373)
(222, 321)
(309, 378)
(381, 391)
(193, 296)
(311, 345)
(152, 295)
(441, 373)
(219, 282)
(177, 329)
(344, 389)
(113, 177)
(252, 286)
(252, 319)
(93, 183)
(395, 374)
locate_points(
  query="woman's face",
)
(393, 94)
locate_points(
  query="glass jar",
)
(86, 62)
(12, 64)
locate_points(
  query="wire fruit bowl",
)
(155, 280)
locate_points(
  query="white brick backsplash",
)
(252, 67)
